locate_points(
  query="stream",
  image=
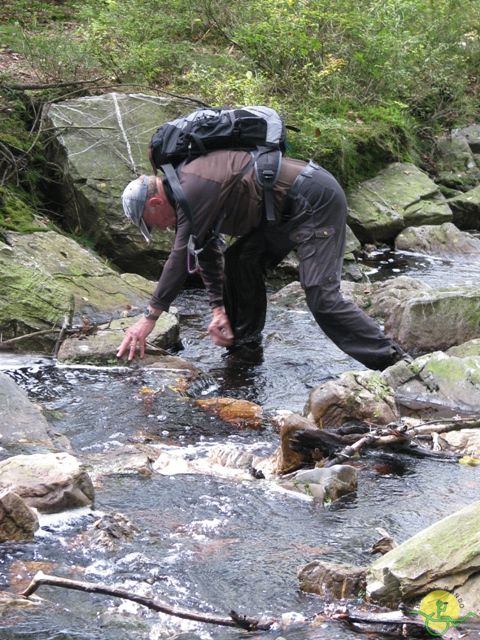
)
(212, 542)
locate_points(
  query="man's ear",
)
(157, 201)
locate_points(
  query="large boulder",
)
(444, 239)
(399, 196)
(419, 317)
(47, 276)
(50, 482)
(23, 428)
(100, 143)
(447, 553)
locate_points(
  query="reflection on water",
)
(210, 543)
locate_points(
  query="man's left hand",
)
(220, 329)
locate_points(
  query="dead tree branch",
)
(37, 86)
(235, 620)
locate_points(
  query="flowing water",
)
(204, 541)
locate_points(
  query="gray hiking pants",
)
(315, 226)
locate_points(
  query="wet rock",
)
(50, 482)
(291, 296)
(240, 413)
(23, 428)
(47, 276)
(286, 459)
(437, 382)
(100, 348)
(17, 520)
(109, 532)
(399, 196)
(354, 395)
(323, 484)
(331, 580)
(447, 553)
(100, 144)
(444, 239)
(466, 209)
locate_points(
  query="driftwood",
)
(234, 620)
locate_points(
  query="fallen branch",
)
(235, 620)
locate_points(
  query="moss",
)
(16, 214)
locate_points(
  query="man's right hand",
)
(135, 338)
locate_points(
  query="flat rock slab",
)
(50, 482)
(100, 348)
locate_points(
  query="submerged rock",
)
(445, 555)
(241, 413)
(17, 520)
(50, 482)
(399, 196)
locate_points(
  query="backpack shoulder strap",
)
(178, 193)
(267, 168)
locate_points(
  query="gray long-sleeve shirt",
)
(216, 190)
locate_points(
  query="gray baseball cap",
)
(133, 200)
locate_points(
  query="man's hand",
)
(135, 337)
(220, 329)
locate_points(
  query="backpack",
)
(258, 129)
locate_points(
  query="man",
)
(224, 197)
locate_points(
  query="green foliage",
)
(364, 80)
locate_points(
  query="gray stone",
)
(23, 428)
(355, 395)
(46, 276)
(17, 520)
(50, 482)
(447, 553)
(399, 196)
(332, 580)
(444, 239)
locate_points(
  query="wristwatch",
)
(149, 315)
